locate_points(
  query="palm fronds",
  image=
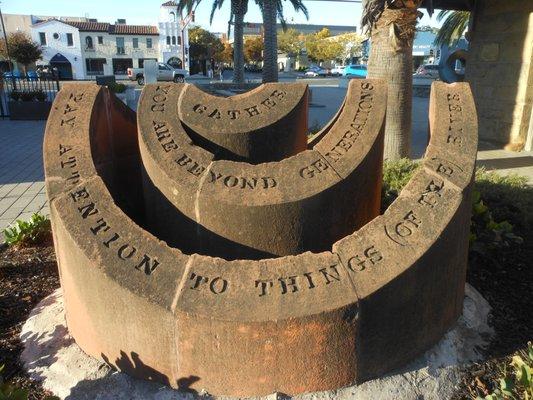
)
(454, 26)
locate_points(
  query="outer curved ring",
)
(198, 322)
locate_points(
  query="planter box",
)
(29, 110)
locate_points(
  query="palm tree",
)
(453, 28)
(272, 10)
(238, 10)
(392, 25)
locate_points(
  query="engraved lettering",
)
(291, 285)
(148, 264)
(252, 111)
(265, 285)
(334, 277)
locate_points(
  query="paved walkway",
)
(22, 191)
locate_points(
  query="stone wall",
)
(500, 70)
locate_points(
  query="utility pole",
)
(5, 39)
(183, 24)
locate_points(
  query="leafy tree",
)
(321, 47)
(226, 55)
(239, 8)
(291, 41)
(454, 26)
(203, 44)
(352, 45)
(392, 25)
(253, 50)
(22, 49)
(271, 9)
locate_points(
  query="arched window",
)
(172, 16)
(179, 40)
(168, 40)
(89, 42)
(173, 40)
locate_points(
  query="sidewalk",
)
(22, 191)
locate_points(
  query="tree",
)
(22, 49)
(352, 44)
(253, 50)
(291, 42)
(392, 25)
(239, 9)
(203, 44)
(226, 55)
(271, 9)
(454, 26)
(321, 47)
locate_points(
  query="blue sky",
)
(147, 12)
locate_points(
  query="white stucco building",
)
(173, 36)
(85, 49)
(82, 48)
(60, 43)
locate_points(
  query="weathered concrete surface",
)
(269, 209)
(250, 327)
(50, 355)
(268, 123)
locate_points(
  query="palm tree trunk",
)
(391, 59)
(239, 10)
(270, 59)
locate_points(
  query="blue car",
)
(32, 75)
(9, 74)
(355, 71)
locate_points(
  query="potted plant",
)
(29, 105)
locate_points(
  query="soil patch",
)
(27, 275)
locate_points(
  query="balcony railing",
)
(121, 50)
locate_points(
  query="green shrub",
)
(11, 392)
(27, 96)
(517, 383)
(498, 204)
(117, 87)
(396, 174)
(15, 95)
(30, 232)
(40, 95)
(314, 128)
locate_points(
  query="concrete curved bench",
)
(294, 324)
(268, 123)
(238, 210)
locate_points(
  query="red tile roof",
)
(121, 29)
(170, 3)
(89, 26)
(118, 29)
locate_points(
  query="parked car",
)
(355, 71)
(428, 71)
(337, 70)
(46, 71)
(14, 74)
(164, 73)
(315, 71)
(253, 68)
(32, 76)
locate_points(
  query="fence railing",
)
(15, 89)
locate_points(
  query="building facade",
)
(83, 48)
(173, 36)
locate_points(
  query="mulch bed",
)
(27, 275)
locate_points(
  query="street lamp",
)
(5, 39)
